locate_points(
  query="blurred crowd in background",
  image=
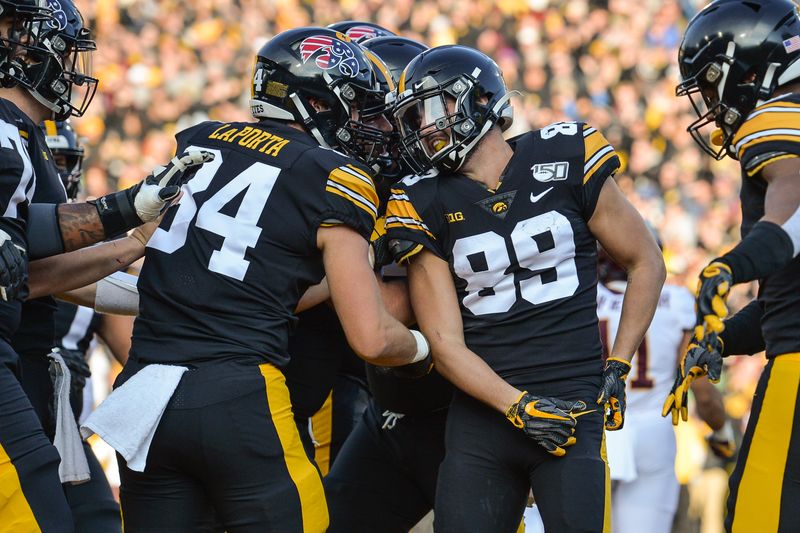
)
(165, 65)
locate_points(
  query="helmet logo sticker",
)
(792, 44)
(58, 14)
(330, 53)
(362, 32)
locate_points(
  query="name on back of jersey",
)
(250, 137)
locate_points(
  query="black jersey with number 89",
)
(522, 258)
(224, 271)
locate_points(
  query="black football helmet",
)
(67, 153)
(22, 45)
(325, 65)
(734, 54)
(396, 53)
(360, 31)
(463, 75)
(65, 84)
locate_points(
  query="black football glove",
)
(145, 201)
(712, 294)
(701, 358)
(548, 421)
(13, 268)
(612, 392)
(722, 442)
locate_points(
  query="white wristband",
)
(423, 348)
(117, 295)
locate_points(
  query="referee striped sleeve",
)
(354, 185)
(598, 154)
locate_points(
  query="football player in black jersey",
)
(384, 478)
(92, 503)
(740, 66)
(40, 73)
(500, 239)
(283, 203)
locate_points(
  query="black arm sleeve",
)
(44, 233)
(742, 334)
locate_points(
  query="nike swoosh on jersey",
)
(536, 197)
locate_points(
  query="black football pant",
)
(325, 433)
(490, 465)
(31, 497)
(225, 456)
(765, 484)
(94, 509)
(384, 479)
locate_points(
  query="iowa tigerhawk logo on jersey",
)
(499, 204)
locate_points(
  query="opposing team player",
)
(384, 478)
(642, 454)
(500, 243)
(275, 211)
(739, 65)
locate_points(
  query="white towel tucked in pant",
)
(128, 418)
(73, 467)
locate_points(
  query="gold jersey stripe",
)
(303, 474)
(758, 503)
(758, 168)
(354, 181)
(370, 210)
(588, 175)
(403, 209)
(762, 122)
(50, 128)
(740, 150)
(408, 255)
(593, 144)
(379, 230)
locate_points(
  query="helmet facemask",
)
(440, 124)
(21, 44)
(345, 120)
(67, 86)
(722, 94)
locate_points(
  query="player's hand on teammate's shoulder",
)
(548, 421)
(612, 392)
(155, 193)
(702, 357)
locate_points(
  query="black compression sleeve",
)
(44, 233)
(765, 250)
(742, 334)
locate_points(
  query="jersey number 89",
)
(493, 289)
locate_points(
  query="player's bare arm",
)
(620, 229)
(61, 273)
(371, 331)
(782, 205)
(116, 331)
(80, 225)
(433, 297)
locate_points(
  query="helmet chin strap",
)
(464, 150)
(307, 122)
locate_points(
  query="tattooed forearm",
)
(80, 225)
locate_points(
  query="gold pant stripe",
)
(607, 502)
(15, 512)
(304, 475)
(322, 428)
(758, 502)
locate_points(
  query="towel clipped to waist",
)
(127, 420)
